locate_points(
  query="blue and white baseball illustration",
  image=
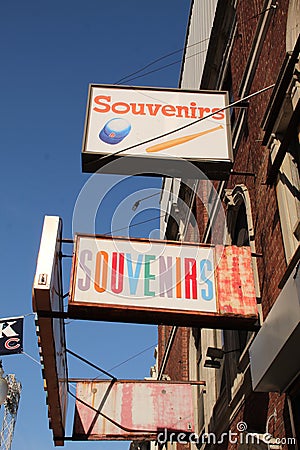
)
(114, 131)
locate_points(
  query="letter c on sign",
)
(9, 344)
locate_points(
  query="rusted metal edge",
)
(95, 380)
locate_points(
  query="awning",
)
(274, 353)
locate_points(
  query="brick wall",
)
(251, 157)
(254, 158)
(177, 367)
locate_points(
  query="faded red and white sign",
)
(131, 409)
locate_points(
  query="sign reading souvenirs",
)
(11, 336)
(158, 127)
(47, 299)
(135, 280)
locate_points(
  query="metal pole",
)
(10, 412)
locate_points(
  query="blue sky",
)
(50, 52)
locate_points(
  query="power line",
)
(125, 228)
(183, 126)
(128, 78)
(133, 225)
(121, 80)
(112, 368)
(31, 357)
(133, 356)
(130, 358)
(137, 203)
(164, 67)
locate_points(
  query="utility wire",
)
(247, 97)
(161, 58)
(125, 228)
(130, 358)
(163, 67)
(132, 225)
(133, 356)
(137, 203)
(121, 80)
(91, 364)
(31, 357)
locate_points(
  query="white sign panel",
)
(157, 123)
(139, 274)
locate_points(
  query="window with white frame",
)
(288, 197)
(282, 134)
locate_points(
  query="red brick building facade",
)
(250, 47)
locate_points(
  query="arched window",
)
(293, 25)
(240, 229)
(240, 232)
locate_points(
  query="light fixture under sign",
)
(215, 354)
(212, 364)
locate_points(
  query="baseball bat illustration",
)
(181, 140)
